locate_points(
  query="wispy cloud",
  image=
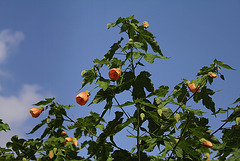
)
(8, 42)
(14, 110)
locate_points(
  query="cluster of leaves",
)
(158, 118)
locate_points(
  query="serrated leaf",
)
(103, 83)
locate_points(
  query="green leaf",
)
(235, 155)
(38, 126)
(151, 57)
(109, 55)
(120, 155)
(204, 70)
(89, 77)
(155, 46)
(4, 126)
(102, 95)
(112, 127)
(220, 63)
(103, 83)
(101, 62)
(206, 99)
(160, 92)
(151, 142)
(137, 54)
(237, 100)
(138, 45)
(142, 81)
(45, 102)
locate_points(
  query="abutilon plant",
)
(155, 117)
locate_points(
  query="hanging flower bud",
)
(193, 88)
(212, 75)
(36, 111)
(238, 120)
(159, 111)
(114, 74)
(82, 98)
(142, 116)
(108, 25)
(75, 142)
(64, 133)
(177, 117)
(145, 24)
(206, 143)
(51, 154)
(67, 139)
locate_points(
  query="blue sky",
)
(44, 46)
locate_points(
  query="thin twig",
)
(121, 107)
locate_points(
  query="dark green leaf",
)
(113, 127)
(47, 101)
(140, 83)
(235, 155)
(220, 63)
(114, 48)
(237, 100)
(222, 77)
(120, 155)
(38, 126)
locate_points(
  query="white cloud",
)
(8, 42)
(14, 110)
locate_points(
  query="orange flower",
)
(64, 133)
(68, 139)
(51, 154)
(206, 143)
(213, 75)
(35, 112)
(82, 98)
(75, 142)
(114, 74)
(145, 24)
(193, 88)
